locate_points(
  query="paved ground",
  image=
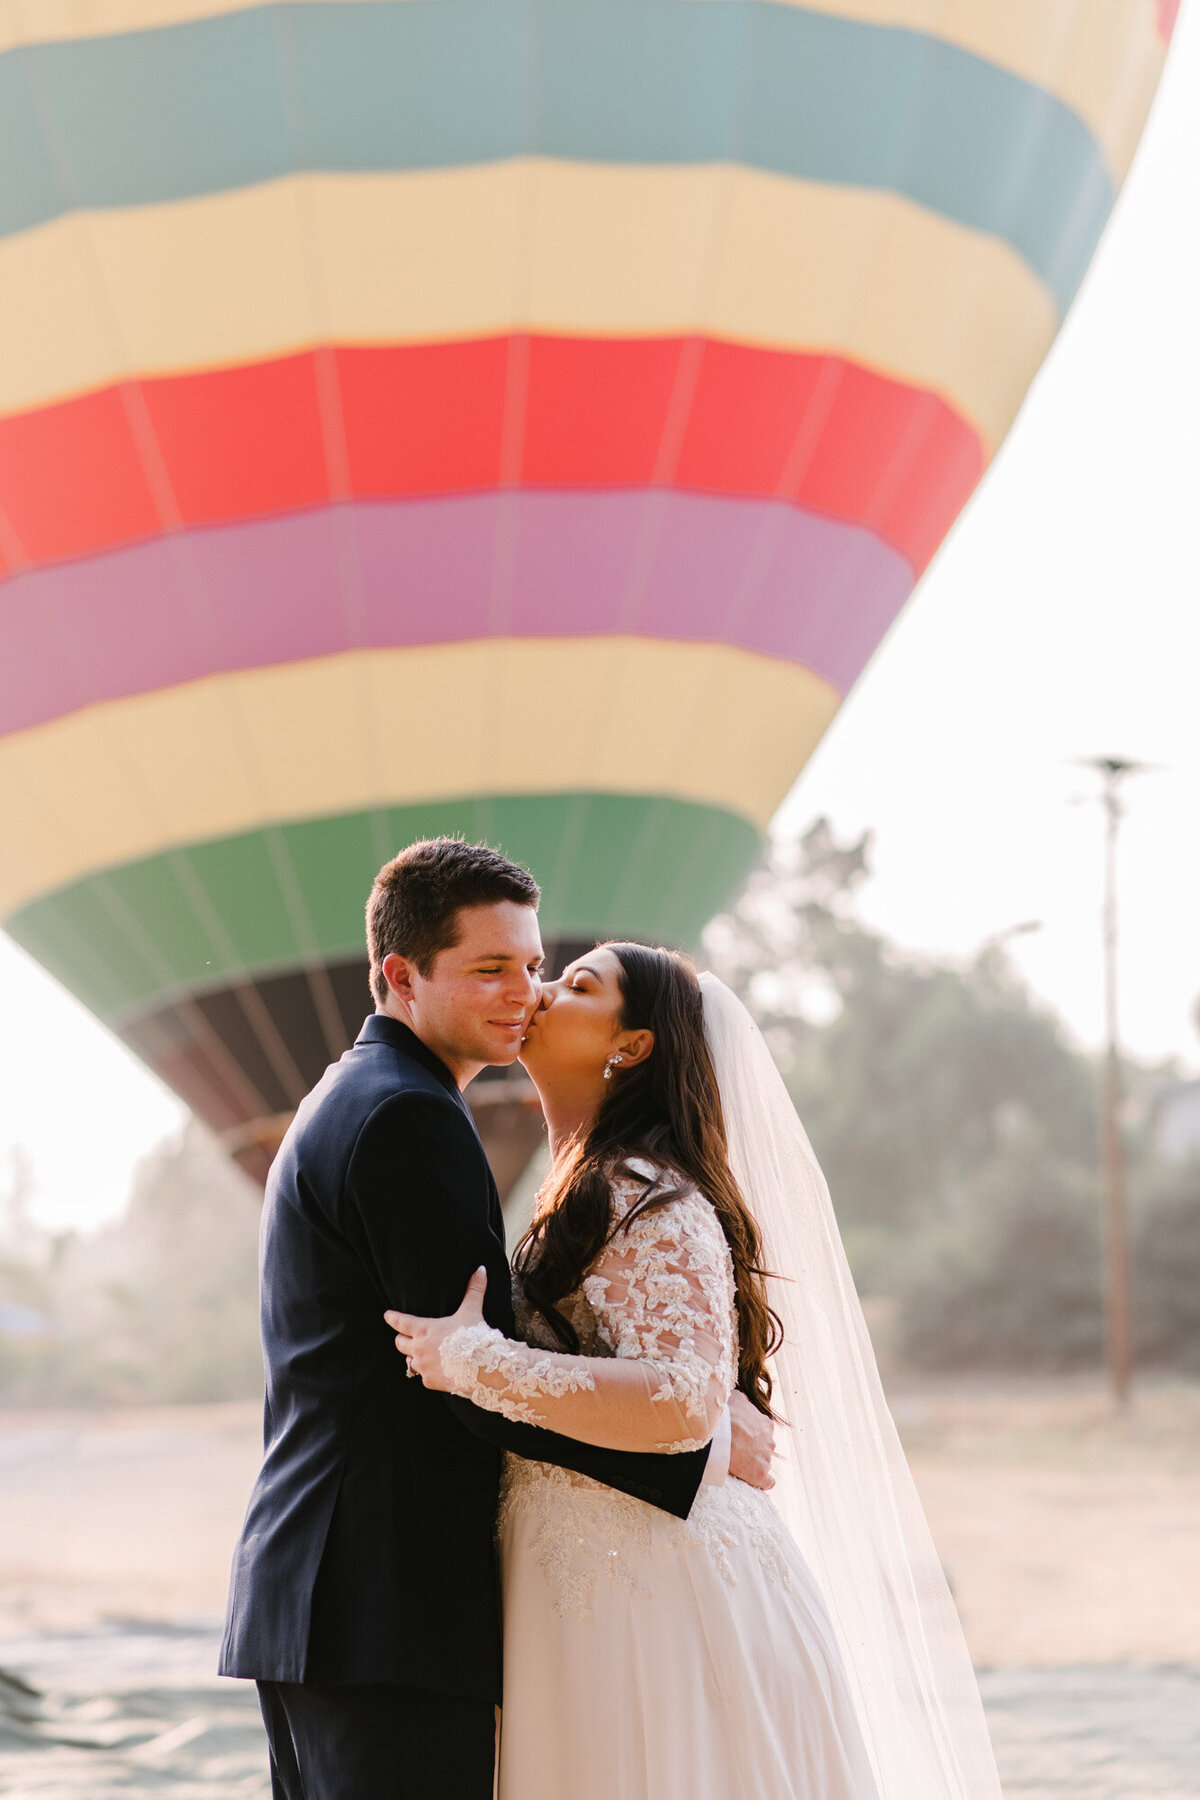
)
(136, 1712)
(1096, 1732)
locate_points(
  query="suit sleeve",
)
(417, 1186)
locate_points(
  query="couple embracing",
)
(664, 1627)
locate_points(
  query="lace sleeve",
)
(662, 1293)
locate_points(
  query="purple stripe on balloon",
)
(654, 563)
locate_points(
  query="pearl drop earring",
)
(614, 1062)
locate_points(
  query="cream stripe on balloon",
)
(1101, 57)
(612, 251)
(67, 808)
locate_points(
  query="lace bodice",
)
(656, 1322)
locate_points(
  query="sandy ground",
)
(122, 1515)
(1071, 1536)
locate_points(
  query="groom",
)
(364, 1596)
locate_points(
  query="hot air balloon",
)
(515, 417)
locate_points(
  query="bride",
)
(767, 1647)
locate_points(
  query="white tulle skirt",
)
(648, 1658)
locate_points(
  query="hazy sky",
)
(1061, 620)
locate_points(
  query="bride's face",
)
(576, 1026)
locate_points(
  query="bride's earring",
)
(614, 1062)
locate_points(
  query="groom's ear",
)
(398, 973)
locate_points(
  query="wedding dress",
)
(648, 1657)
(798, 1645)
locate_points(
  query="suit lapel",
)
(378, 1028)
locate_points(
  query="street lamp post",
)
(1117, 1308)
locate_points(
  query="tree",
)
(910, 1074)
(957, 1126)
(161, 1305)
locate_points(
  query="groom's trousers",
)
(377, 1742)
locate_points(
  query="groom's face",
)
(473, 1006)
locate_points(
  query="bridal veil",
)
(843, 1486)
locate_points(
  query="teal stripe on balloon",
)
(293, 895)
(221, 103)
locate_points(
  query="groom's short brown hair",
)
(415, 900)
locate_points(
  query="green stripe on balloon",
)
(196, 918)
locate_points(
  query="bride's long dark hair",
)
(666, 1109)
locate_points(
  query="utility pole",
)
(1118, 1311)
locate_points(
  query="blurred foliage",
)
(159, 1306)
(1166, 1298)
(958, 1129)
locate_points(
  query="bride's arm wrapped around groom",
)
(662, 1293)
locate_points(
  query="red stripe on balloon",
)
(556, 413)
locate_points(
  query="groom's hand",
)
(420, 1341)
(753, 1443)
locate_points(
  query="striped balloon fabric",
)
(520, 417)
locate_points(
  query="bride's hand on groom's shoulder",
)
(753, 1443)
(420, 1341)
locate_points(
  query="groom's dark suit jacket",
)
(367, 1550)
